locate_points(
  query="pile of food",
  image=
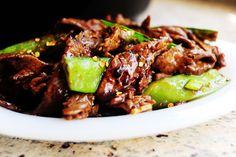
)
(95, 67)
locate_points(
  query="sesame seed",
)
(140, 64)
(134, 111)
(118, 93)
(170, 105)
(28, 51)
(95, 58)
(37, 54)
(37, 39)
(100, 49)
(51, 43)
(146, 108)
(102, 64)
(62, 38)
(107, 64)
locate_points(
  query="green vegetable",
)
(171, 45)
(131, 35)
(181, 88)
(84, 74)
(193, 84)
(31, 46)
(204, 33)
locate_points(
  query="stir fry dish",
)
(107, 67)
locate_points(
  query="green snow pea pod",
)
(182, 88)
(204, 33)
(33, 46)
(129, 34)
(84, 73)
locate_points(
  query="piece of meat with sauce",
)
(23, 78)
(54, 96)
(170, 61)
(112, 41)
(79, 106)
(92, 24)
(138, 104)
(121, 20)
(132, 103)
(9, 106)
(187, 61)
(179, 35)
(82, 44)
(192, 57)
(130, 68)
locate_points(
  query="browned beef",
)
(146, 23)
(22, 79)
(9, 106)
(112, 41)
(120, 19)
(92, 24)
(129, 69)
(79, 106)
(54, 96)
(132, 103)
(171, 61)
(138, 104)
(187, 61)
(179, 35)
(24, 65)
(83, 44)
(192, 57)
(220, 58)
(38, 84)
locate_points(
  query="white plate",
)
(128, 126)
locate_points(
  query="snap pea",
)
(171, 45)
(33, 46)
(204, 33)
(131, 35)
(84, 73)
(182, 88)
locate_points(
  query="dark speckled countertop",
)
(215, 138)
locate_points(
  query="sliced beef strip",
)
(146, 23)
(138, 104)
(25, 65)
(171, 61)
(187, 61)
(54, 96)
(131, 103)
(119, 75)
(220, 58)
(179, 35)
(128, 69)
(38, 84)
(79, 106)
(9, 106)
(196, 57)
(18, 74)
(92, 24)
(198, 61)
(112, 41)
(82, 44)
(120, 19)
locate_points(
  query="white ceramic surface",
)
(128, 126)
